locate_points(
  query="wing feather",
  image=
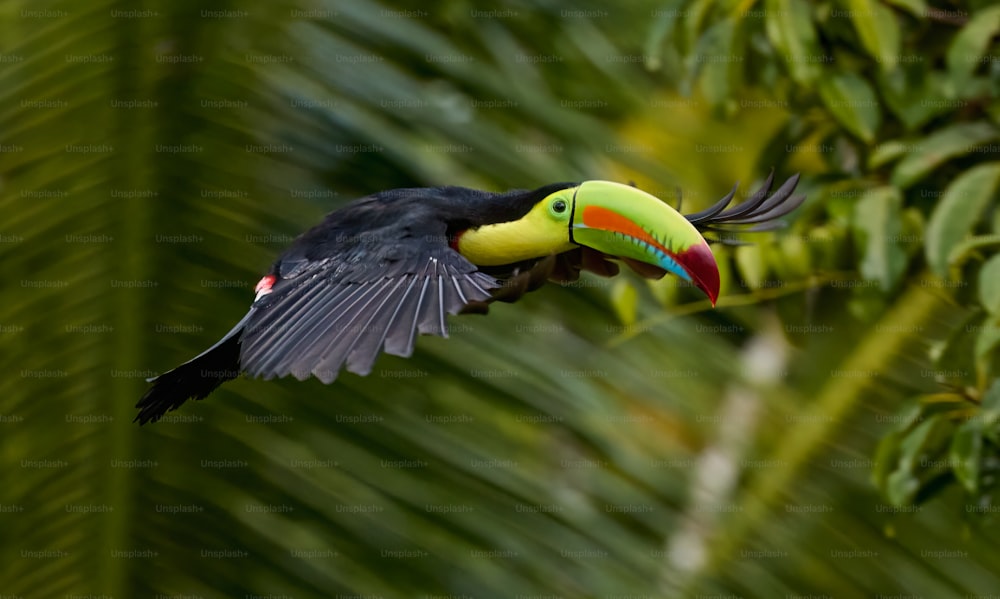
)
(431, 319)
(269, 351)
(366, 347)
(319, 325)
(326, 364)
(324, 337)
(400, 340)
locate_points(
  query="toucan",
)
(383, 268)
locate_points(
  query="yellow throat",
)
(535, 235)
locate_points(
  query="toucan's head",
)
(612, 218)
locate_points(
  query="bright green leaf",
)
(912, 237)
(624, 300)
(664, 290)
(853, 102)
(728, 279)
(877, 220)
(879, 32)
(694, 15)
(908, 416)
(913, 93)
(991, 402)
(953, 362)
(886, 152)
(987, 340)
(795, 252)
(661, 33)
(791, 30)
(989, 284)
(940, 147)
(753, 268)
(969, 48)
(917, 8)
(964, 249)
(867, 303)
(922, 441)
(919, 442)
(886, 458)
(965, 454)
(955, 215)
(948, 403)
(901, 487)
(715, 58)
(826, 246)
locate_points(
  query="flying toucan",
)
(388, 266)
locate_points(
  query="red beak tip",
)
(700, 264)
(712, 293)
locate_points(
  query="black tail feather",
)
(195, 378)
(759, 210)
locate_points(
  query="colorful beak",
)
(626, 222)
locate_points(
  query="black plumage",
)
(372, 276)
(381, 270)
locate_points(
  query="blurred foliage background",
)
(830, 430)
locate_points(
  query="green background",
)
(829, 430)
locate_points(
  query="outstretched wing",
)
(356, 298)
(760, 211)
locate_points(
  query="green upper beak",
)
(623, 221)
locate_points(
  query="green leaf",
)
(752, 265)
(694, 15)
(989, 284)
(624, 300)
(796, 258)
(878, 223)
(913, 93)
(967, 247)
(958, 211)
(852, 101)
(943, 145)
(665, 290)
(827, 246)
(948, 403)
(986, 342)
(661, 34)
(921, 443)
(913, 227)
(715, 58)
(993, 111)
(965, 453)
(886, 459)
(910, 415)
(879, 32)
(790, 28)
(990, 408)
(955, 358)
(728, 278)
(886, 152)
(917, 8)
(968, 49)
(901, 487)
(888, 450)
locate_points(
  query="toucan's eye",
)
(559, 206)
